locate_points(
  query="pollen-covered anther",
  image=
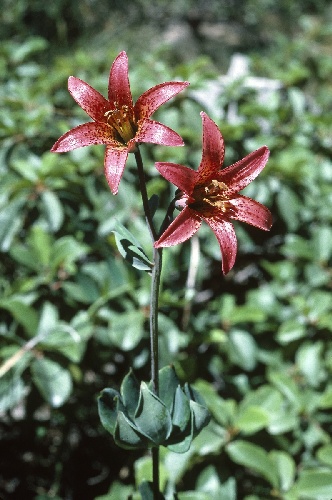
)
(211, 195)
(119, 120)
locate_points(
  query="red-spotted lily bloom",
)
(118, 123)
(212, 194)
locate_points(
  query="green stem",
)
(144, 194)
(154, 301)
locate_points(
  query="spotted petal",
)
(241, 173)
(93, 103)
(118, 84)
(226, 236)
(252, 212)
(114, 164)
(157, 133)
(182, 228)
(84, 135)
(150, 100)
(183, 177)
(213, 150)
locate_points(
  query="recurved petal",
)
(213, 150)
(93, 103)
(119, 93)
(241, 173)
(183, 177)
(181, 229)
(252, 212)
(114, 164)
(157, 133)
(150, 100)
(226, 236)
(84, 135)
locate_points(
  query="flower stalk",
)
(154, 301)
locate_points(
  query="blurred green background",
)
(73, 314)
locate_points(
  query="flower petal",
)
(226, 236)
(213, 150)
(84, 135)
(119, 93)
(93, 103)
(241, 173)
(181, 229)
(252, 212)
(114, 164)
(183, 177)
(157, 133)
(150, 100)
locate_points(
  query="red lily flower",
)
(119, 123)
(212, 194)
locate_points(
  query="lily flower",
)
(117, 122)
(211, 194)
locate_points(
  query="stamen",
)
(121, 122)
(212, 196)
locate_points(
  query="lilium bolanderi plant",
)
(212, 194)
(161, 412)
(118, 123)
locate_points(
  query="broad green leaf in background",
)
(53, 381)
(313, 484)
(254, 457)
(242, 349)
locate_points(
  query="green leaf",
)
(126, 329)
(53, 381)
(285, 467)
(289, 331)
(251, 419)
(152, 417)
(290, 207)
(24, 314)
(315, 484)
(254, 457)
(108, 408)
(130, 392)
(309, 361)
(181, 410)
(242, 349)
(287, 387)
(48, 319)
(168, 384)
(10, 223)
(126, 434)
(66, 251)
(12, 391)
(41, 243)
(201, 417)
(130, 248)
(53, 210)
(324, 454)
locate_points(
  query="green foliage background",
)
(73, 314)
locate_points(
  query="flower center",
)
(122, 122)
(212, 195)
